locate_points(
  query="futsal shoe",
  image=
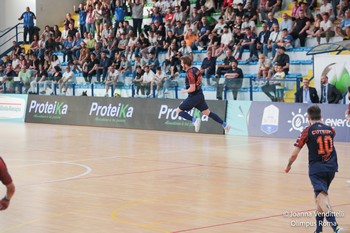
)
(227, 129)
(339, 230)
(197, 125)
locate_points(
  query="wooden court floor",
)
(81, 179)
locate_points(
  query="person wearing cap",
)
(219, 27)
(249, 42)
(238, 37)
(283, 59)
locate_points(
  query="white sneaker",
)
(197, 125)
(339, 230)
(227, 129)
(348, 181)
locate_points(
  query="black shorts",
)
(321, 181)
(194, 101)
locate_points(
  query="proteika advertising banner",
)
(133, 113)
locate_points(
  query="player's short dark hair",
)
(314, 112)
(186, 60)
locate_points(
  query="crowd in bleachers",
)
(113, 42)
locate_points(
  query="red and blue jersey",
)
(194, 76)
(320, 142)
(5, 177)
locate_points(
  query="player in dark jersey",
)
(322, 164)
(195, 97)
(6, 179)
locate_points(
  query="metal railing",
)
(16, 31)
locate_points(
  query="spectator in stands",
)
(326, 7)
(124, 68)
(195, 16)
(67, 78)
(306, 94)
(142, 43)
(219, 27)
(326, 29)
(28, 24)
(102, 68)
(250, 12)
(249, 42)
(169, 16)
(67, 49)
(301, 25)
(163, 6)
(113, 78)
(203, 32)
(316, 25)
(71, 30)
(226, 66)
(106, 31)
(225, 43)
(185, 50)
(239, 11)
(213, 43)
(227, 4)
(56, 76)
(344, 29)
(57, 35)
(185, 8)
(344, 5)
(137, 80)
(178, 16)
(89, 67)
(98, 19)
(248, 23)
(54, 62)
(233, 80)
(9, 74)
(50, 46)
(139, 62)
(24, 80)
(191, 39)
(90, 42)
(171, 79)
(264, 66)
(329, 93)
(295, 9)
(153, 62)
(152, 40)
(68, 20)
(307, 12)
(90, 19)
(229, 16)
(131, 46)
(286, 40)
(282, 59)
(40, 78)
(286, 23)
(34, 46)
(274, 88)
(208, 66)
(272, 6)
(137, 15)
(147, 79)
(311, 4)
(263, 38)
(170, 38)
(271, 21)
(106, 13)
(158, 80)
(81, 11)
(238, 37)
(179, 31)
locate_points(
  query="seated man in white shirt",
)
(113, 78)
(147, 79)
(67, 78)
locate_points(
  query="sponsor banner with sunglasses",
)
(282, 120)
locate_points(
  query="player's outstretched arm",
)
(5, 202)
(292, 158)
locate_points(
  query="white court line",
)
(87, 169)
